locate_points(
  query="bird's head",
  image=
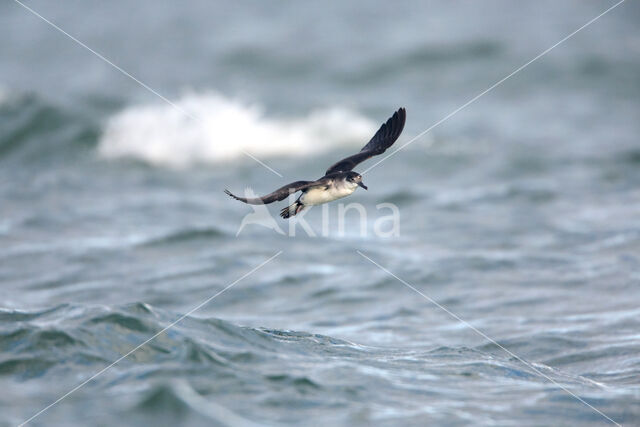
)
(355, 178)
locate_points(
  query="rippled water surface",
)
(519, 216)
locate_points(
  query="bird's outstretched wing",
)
(383, 139)
(280, 194)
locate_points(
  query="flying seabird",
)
(339, 180)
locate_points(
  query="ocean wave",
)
(184, 235)
(224, 129)
(199, 363)
(4, 95)
(172, 400)
(33, 128)
(96, 334)
(39, 341)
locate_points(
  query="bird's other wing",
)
(383, 139)
(280, 194)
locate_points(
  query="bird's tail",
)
(292, 210)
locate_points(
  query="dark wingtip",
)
(395, 124)
(228, 193)
(402, 114)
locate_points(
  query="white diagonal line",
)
(246, 153)
(171, 325)
(482, 334)
(493, 86)
(144, 85)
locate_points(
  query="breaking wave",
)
(221, 129)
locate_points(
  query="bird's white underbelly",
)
(318, 196)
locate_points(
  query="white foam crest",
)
(225, 129)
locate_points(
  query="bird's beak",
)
(362, 185)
